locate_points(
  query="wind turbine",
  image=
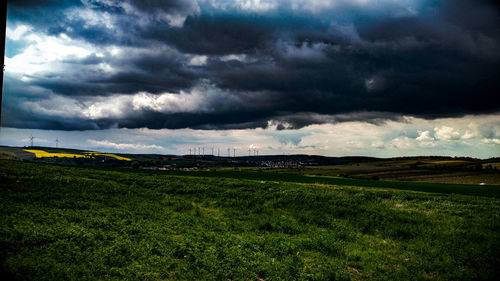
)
(234, 152)
(57, 142)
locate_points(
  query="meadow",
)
(90, 223)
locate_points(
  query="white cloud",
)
(370, 84)
(45, 52)
(173, 19)
(54, 105)
(66, 107)
(309, 52)
(124, 146)
(198, 60)
(257, 5)
(469, 134)
(425, 139)
(491, 141)
(91, 17)
(107, 107)
(18, 32)
(241, 57)
(447, 133)
(397, 7)
(400, 8)
(168, 102)
(203, 98)
(403, 142)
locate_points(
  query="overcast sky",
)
(341, 77)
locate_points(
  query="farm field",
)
(432, 169)
(44, 154)
(417, 169)
(91, 223)
(50, 152)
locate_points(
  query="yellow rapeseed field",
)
(108, 155)
(41, 154)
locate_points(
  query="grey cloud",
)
(368, 65)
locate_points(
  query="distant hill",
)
(420, 168)
(23, 153)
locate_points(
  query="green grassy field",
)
(72, 223)
(466, 189)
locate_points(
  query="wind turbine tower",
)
(57, 142)
(234, 152)
(31, 140)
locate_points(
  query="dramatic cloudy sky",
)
(339, 77)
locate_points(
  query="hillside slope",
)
(76, 223)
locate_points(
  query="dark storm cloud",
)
(38, 13)
(229, 33)
(224, 120)
(101, 84)
(178, 6)
(343, 63)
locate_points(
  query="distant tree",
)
(478, 167)
(136, 165)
